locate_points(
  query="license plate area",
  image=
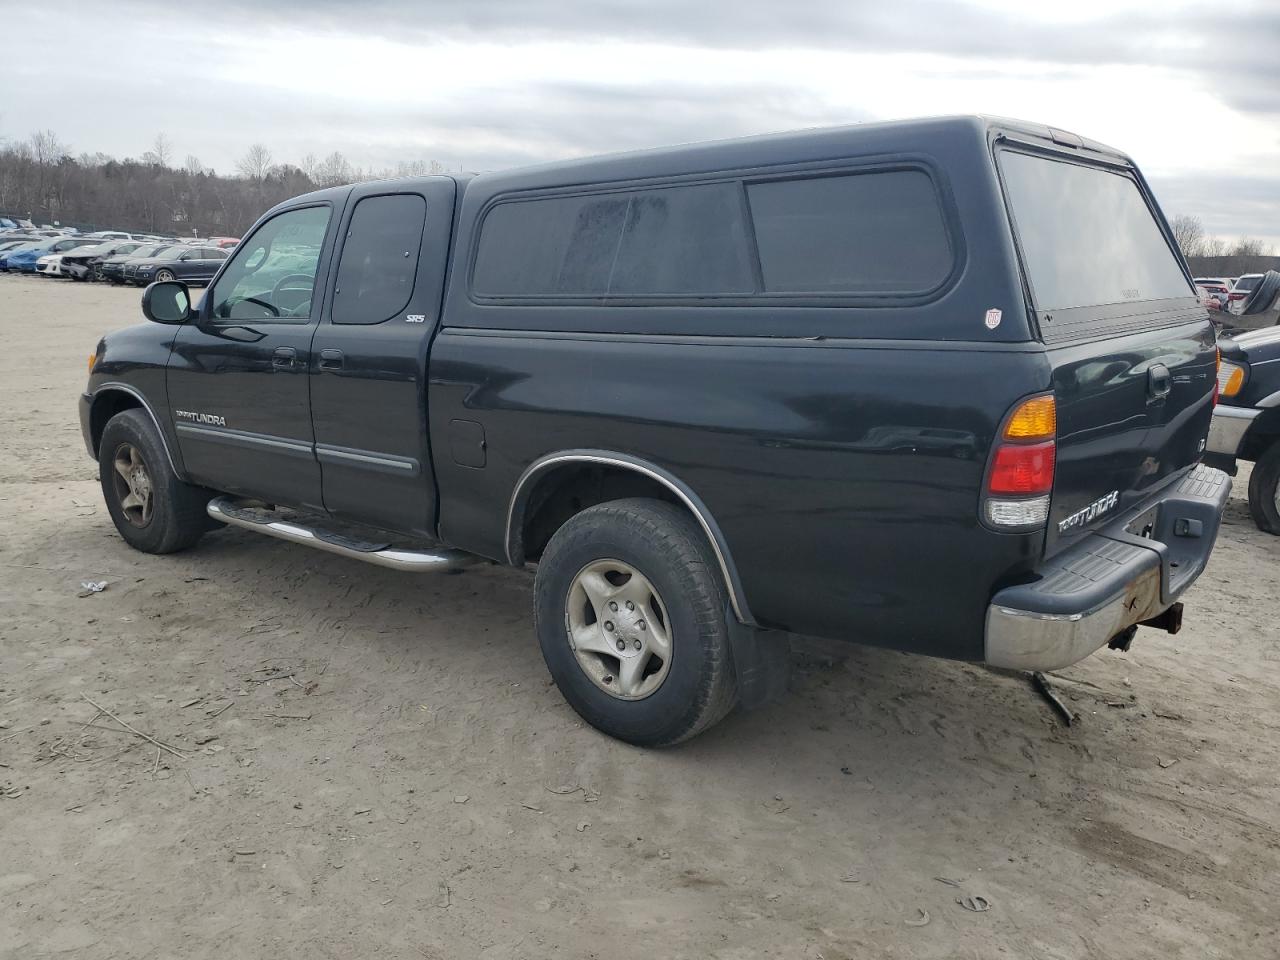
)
(1144, 524)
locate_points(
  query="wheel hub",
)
(132, 485)
(618, 629)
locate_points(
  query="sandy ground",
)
(377, 764)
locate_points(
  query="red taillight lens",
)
(1022, 469)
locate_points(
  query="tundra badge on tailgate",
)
(1092, 511)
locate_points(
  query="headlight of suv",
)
(1230, 378)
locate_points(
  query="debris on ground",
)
(974, 904)
(920, 920)
(89, 587)
(1046, 690)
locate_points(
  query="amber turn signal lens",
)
(1034, 419)
(93, 358)
(1230, 379)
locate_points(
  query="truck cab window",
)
(379, 258)
(273, 273)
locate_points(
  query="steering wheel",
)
(282, 286)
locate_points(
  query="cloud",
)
(1192, 90)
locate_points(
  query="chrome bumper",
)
(1228, 428)
(1109, 581)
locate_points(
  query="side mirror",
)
(1264, 294)
(167, 301)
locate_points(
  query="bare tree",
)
(1249, 247)
(255, 163)
(161, 152)
(47, 148)
(1213, 247)
(193, 166)
(333, 171)
(1188, 231)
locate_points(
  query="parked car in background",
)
(226, 243)
(84, 263)
(50, 265)
(111, 235)
(112, 268)
(21, 247)
(191, 264)
(1219, 287)
(1246, 421)
(24, 261)
(1209, 301)
(1243, 286)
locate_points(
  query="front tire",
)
(164, 276)
(630, 615)
(152, 509)
(1264, 490)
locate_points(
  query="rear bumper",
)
(1110, 580)
(1228, 428)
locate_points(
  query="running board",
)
(442, 560)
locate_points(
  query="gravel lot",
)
(377, 765)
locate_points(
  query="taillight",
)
(1020, 477)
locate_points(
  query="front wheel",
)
(1264, 490)
(164, 276)
(152, 509)
(630, 616)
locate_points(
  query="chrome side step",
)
(443, 560)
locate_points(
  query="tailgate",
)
(1131, 348)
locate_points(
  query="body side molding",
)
(523, 487)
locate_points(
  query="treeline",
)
(1194, 242)
(41, 180)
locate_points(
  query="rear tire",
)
(152, 509)
(635, 549)
(1264, 489)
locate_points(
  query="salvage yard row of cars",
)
(112, 256)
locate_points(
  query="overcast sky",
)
(1190, 89)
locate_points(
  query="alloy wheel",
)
(133, 485)
(618, 629)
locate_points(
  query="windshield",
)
(150, 250)
(1247, 283)
(1088, 237)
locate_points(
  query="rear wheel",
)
(1264, 490)
(152, 509)
(630, 615)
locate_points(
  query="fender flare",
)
(115, 386)
(525, 485)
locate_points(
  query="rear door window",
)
(1087, 235)
(865, 233)
(379, 258)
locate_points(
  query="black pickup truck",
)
(941, 386)
(1246, 421)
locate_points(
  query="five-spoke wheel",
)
(618, 629)
(132, 484)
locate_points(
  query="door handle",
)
(284, 357)
(331, 359)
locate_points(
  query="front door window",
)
(273, 273)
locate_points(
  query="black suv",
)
(883, 383)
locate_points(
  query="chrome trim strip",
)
(1270, 400)
(736, 599)
(347, 456)
(133, 392)
(241, 438)
(414, 561)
